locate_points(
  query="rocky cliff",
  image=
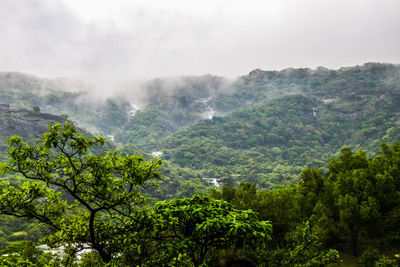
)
(26, 123)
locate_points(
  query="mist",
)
(114, 44)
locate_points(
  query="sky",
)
(105, 42)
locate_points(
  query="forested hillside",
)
(171, 104)
(271, 142)
(263, 127)
(87, 204)
(285, 121)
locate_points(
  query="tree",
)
(84, 198)
(196, 229)
(355, 194)
(307, 250)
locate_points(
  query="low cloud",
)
(130, 40)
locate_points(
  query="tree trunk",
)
(106, 257)
(354, 241)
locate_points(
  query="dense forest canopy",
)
(297, 167)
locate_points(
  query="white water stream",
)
(213, 181)
(210, 112)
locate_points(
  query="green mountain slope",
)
(271, 142)
(171, 104)
(264, 127)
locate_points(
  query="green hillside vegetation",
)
(353, 206)
(267, 126)
(168, 104)
(171, 104)
(272, 142)
(285, 121)
(280, 143)
(94, 200)
(79, 197)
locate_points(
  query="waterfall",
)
(210, 112)
(314, 112)
(213, 181)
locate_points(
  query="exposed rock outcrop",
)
(25, 123)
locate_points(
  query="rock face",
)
(25, 123)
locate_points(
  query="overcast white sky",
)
(133, 39)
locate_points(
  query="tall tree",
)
(84, 198)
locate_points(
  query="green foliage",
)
(77, 194)
(369, 257)
(93, 201)
(271, 142)
(293, 243)
(386, 262)
(350, 207)
(307, 251)
(24, 253)
(277, 206)
(357, 201)
(90, 259)
(200, 227)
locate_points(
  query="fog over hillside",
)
(110, 44)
